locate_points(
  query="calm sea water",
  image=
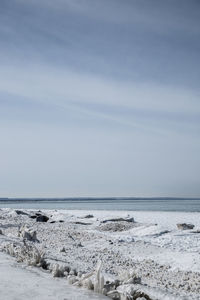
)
(139, 204)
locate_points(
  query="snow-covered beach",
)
(18, 282)
(142, 250)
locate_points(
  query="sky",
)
(99, 98)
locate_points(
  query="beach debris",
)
(127, 294)
(27, 233)
(63, 249)
(62, 270)
(99, 280)
(76, 244)
(185, 226)
(71, 237)
(110, 286)
(118, 220)
(9, 249)
(72, 279)
(116, 226)
(89, 216)
(88, 284)
(128, 239)
(115, 295)
(57, 270)
(73, 272)
(159, 233)
(136, 294)
(79, 274)
(129, 277)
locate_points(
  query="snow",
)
(18, 282)
(153, 244)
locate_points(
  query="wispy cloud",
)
(96, 95)
(158, 42)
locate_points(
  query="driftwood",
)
(119, 220)
(82, 223)
(21, 212)
(195, 231)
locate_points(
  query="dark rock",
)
(42, 218)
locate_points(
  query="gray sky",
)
(99, 98)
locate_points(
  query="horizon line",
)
(96, 198)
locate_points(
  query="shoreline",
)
(167, 260)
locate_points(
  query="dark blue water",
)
(137, 204)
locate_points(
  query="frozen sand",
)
(167, 259)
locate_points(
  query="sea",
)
(127, 204)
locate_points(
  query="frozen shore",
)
(152, 248)
(21, 282)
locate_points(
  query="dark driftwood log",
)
(20, 212)
(119, 220)
(82, 223)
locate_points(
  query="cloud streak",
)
(95, 95)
